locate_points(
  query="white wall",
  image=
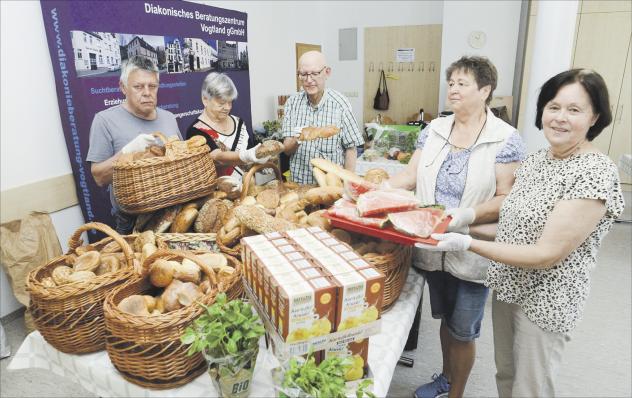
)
(275, 26)
(499, 20)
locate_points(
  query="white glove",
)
(462, 217)
(139, 143)
(384, 185)
(450, 242)
(250, 156)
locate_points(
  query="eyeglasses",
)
(313, 75)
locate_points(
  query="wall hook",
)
(421, 67)
(371, 67)
(390, 67)
(381, 66)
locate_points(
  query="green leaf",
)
(188, 337)
(231, 347)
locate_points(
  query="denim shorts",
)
(460, 304)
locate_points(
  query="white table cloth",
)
(95, 372)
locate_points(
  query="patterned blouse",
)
(453, 172)
(553, 298)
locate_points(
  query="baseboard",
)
(12, 316)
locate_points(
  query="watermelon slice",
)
(386, 201)
(354, 189)
(346, 209)
(420, 222)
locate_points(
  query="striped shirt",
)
(333, 109)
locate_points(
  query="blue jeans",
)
(460, 304)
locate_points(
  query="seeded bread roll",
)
(208, 217)
(256, 219)
(269, 198)
(269, 148)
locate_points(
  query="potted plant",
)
(302, 378)
(228, 335)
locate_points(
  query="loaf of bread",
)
(88, 261)
(333, 180)
(311, 133)
(184, 220)
(162, 219)
(324, 195)
(269, 148)
(256, 219)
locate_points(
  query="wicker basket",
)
(146, 185)
(395, 267)
(147, 350)
(70, 316)
(200, 243)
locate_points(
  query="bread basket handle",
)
(250, 176)
(75, 240)
(161, 136)
(146, 267)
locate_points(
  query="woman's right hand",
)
(250, 156)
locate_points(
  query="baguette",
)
(331, 167)
(311, 133)
(320, 176)
(333, 180)
(184, 220)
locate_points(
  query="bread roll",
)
(195, 141)
(249, 200)
(134, 305)
(312, 133)
(376, 175)
(257, 220)
(184, 220)
(161, 273)
(210, 217)
(316, 219)
(269, 198)
(81, 276)
(87, 262)
(324, 195)
(320, 177)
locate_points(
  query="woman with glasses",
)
(464, 162)
(565, 200)
(230, 142)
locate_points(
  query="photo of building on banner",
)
(89, 44)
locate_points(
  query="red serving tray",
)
(387, 233)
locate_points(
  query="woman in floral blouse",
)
(563, 202)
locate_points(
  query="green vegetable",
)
(321, 381)
(226, 328)
(272, 126)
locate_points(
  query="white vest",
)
(480, 186)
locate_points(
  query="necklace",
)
(475, 141)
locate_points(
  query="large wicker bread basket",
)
(395, 267)
(146, 185)
(70, 316)
(146, 350)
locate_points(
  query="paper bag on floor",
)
(24, 245)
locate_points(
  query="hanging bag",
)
(381, 97)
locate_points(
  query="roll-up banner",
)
(88, 42)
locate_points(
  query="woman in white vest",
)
(465, 162)
(565, 200)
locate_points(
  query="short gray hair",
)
(218, 85)
(138, 62)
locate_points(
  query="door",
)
(621, 142)
(602, 45)
(93, 61)
(302, 48)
